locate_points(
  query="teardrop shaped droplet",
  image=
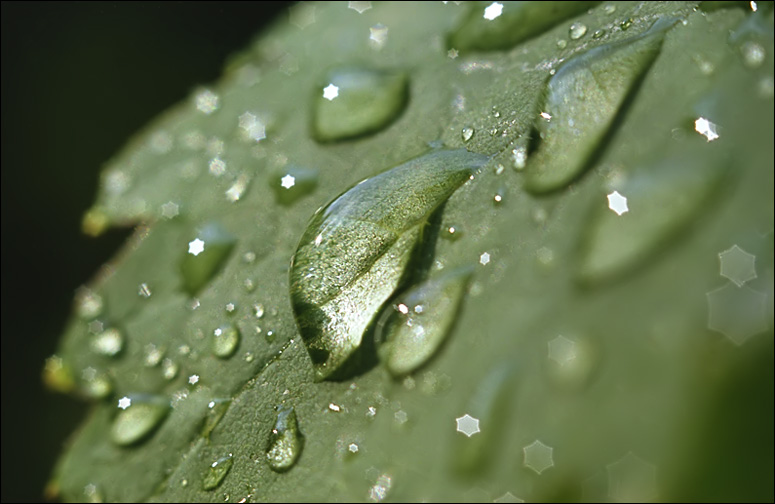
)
(357, 101)
(355, 251)
(491, 404)
(215, 411)
(225, 341)
(413, 329)
(139, 417)
(661, 201)
(292, 183)
(206, 255)
(517, 22)
(216, 472)
(583, 98)
(285, 442)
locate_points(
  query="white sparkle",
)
(378, 35)
(546, 115)
(124, 402)
(493, 10)
(706, 128)
(737, 265)
(753, 5)
(403, 308)
(452, 53)
(538, 456)
(196, 246)
(359, 6)
(207, 101)
(468, 425)
(330, 92)
(617, 203)
(288, 181)
(193, 379)
(484, 258)
(334, 407)
(170, 210)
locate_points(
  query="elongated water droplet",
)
(215, 411)
(225, 341)
(358, 101)
(292, 183)
(663, 200)
(140, 415)
(355, 251)
(216, 472)
(491, 403)
(285, 442)
(517, 22)
(206, 254)
(583, 99)
(413, 329)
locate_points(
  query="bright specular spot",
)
(538, 456)
(193, 379)
(737, 265)
(207, 101)
(706, 128)
(484, 258)
(617, 203)
(288, 181)
(493, 11)
(468, 425)
(330, 92)
(196, 247)
(124, 403)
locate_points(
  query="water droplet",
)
(367, 101)
(467, 133)
(88, 304)
(355, 251)
(215, 411)
(216, 472)
(198, 269)
(169, 369)
(583, 99)
(519, 157)
(516, 23)
(609, 9)
(109, 342)
(378, 36)
(409, 337)
(292, 183)
(598, 34)
(139, 419)
(207, 101)
(666, 198)
(285, 442)
(562, 44)
(451, 233)
(625, 25)
(380, 488)
(753, 54)
(144, 290)
(577, 30)
(95, 384)
(538, 456)
(225, 341)
(238, 188)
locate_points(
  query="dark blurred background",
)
(77, 80)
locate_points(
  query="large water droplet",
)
(583, 99)
(285, 442)
(140, 415)
(358, 101)
(663, 200)
(491, 403)
(206, 254)
(412, 330)
(216, 472)
(517, 22)
(356, 250)
(292, 183)
(225, 341)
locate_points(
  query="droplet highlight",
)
(358, 101)
(356, 250)
(583, 98)
(285, 442)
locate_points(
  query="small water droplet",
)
(95, 384)
(366, 101)
(225, 341)
(207, 101)
(407, 338)
(577, 30)
(481, 30)
(753, 54)
(583, 98)
(452, 232)
(169, 369)
(216, 472)
(88, 304)
(337, 290)
(139, 419)
(109, 342)
(562, 44)
(238, 188)
(598, 34)
(199, 268)
(292, 183)
(467, 133)
(285, 442)
(144, 290)
(215, 411)
(624, 25)
(519, 157)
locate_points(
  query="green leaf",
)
(591, 344)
